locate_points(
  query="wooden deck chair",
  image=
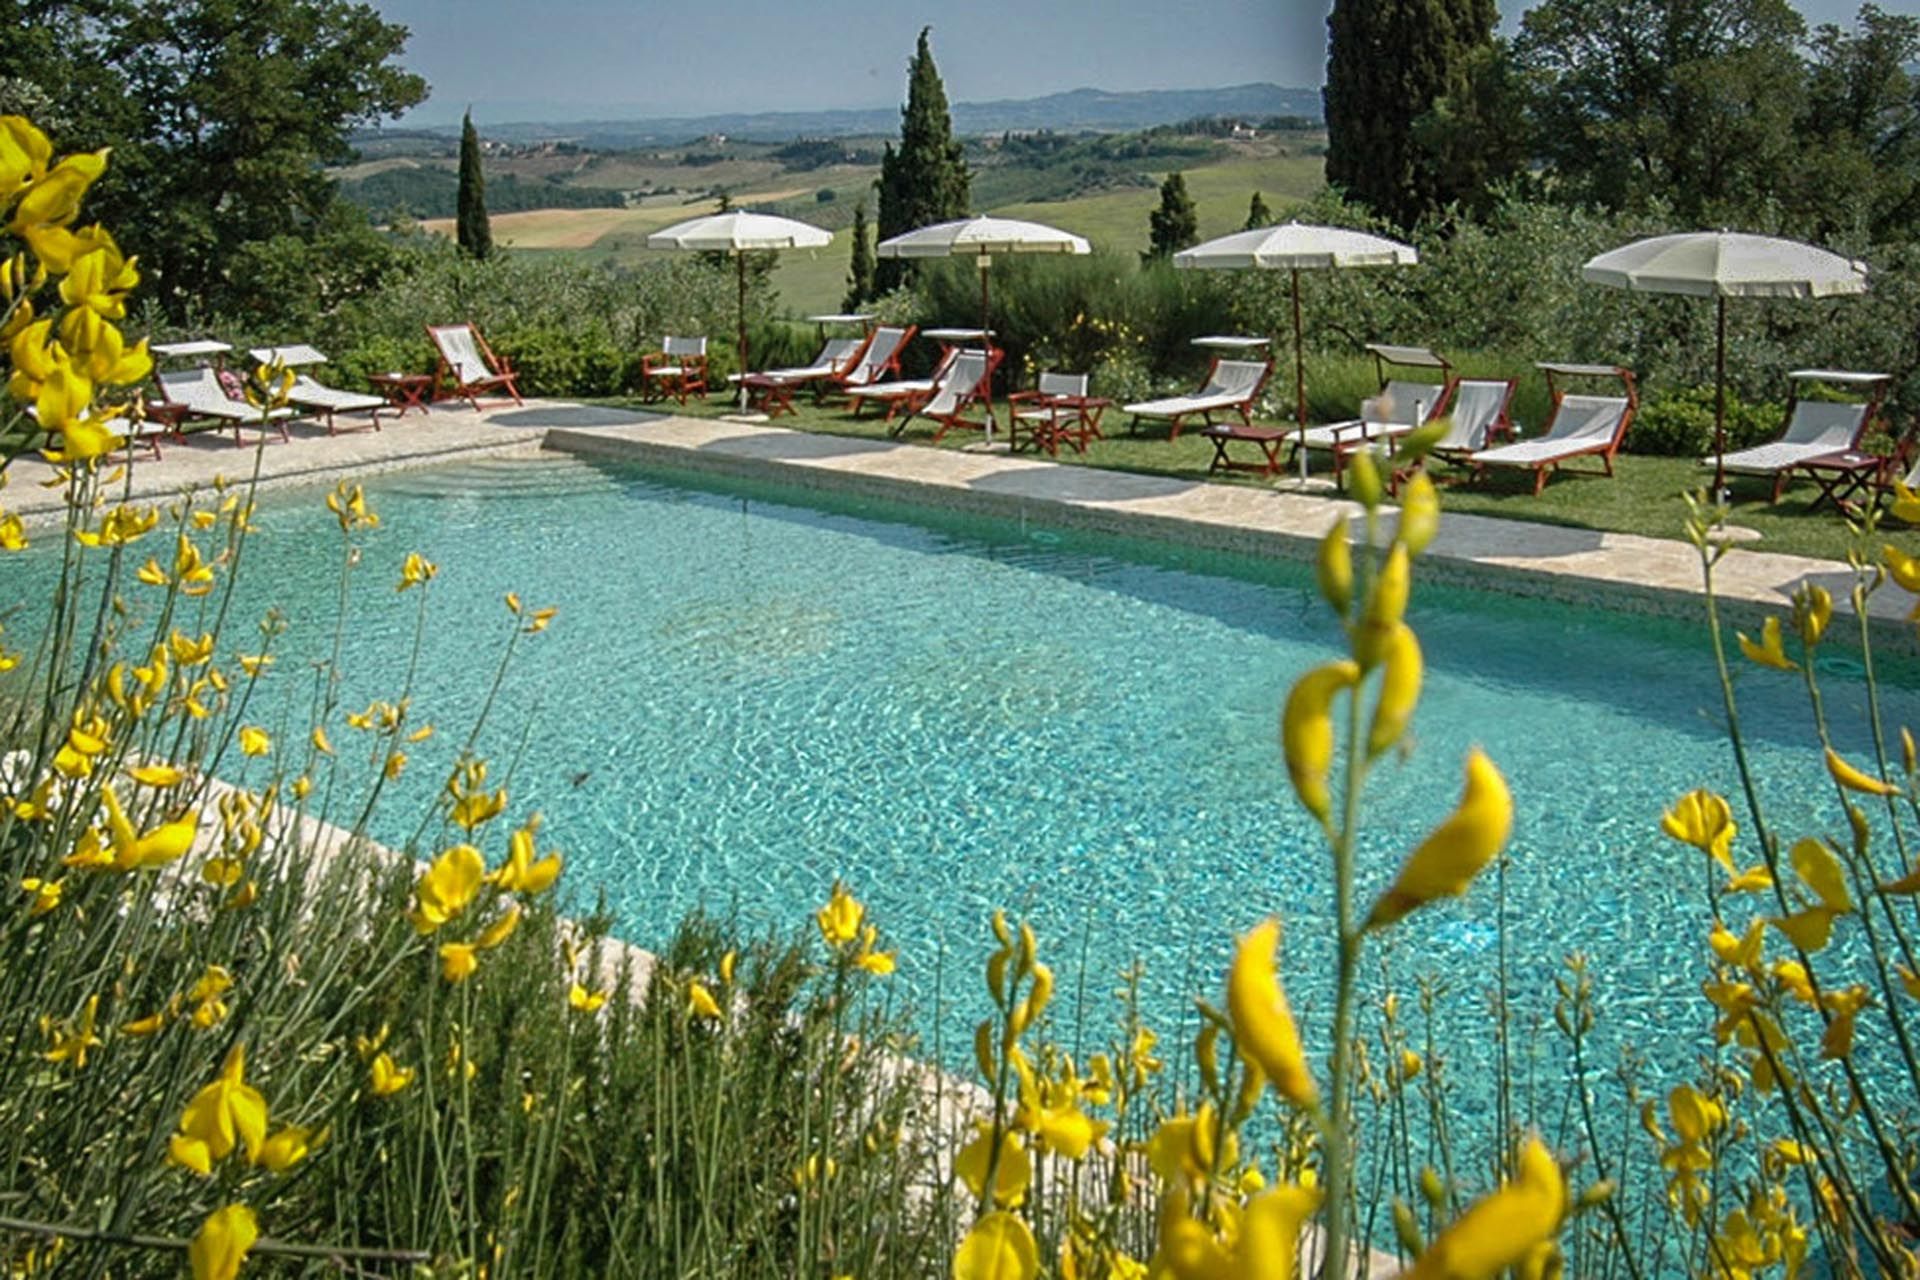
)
(1814, 428)
(468, 367)
(1231, 386)
(880, 359)
(1479, 419)
(837, 357)
(1057, 408)
(677, 369)
(1401, 404)
(1579, 426)
(900, 394)
(964, 383)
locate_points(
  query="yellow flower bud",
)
(1399, 690)
(1769, 652)
(1503, 1228)
(1386, 604)
(1855, 780)
(1419, 513)
(1306, 732)
(1365, 479)
(1263, 1023)
(1457, 850)
(1334, 568)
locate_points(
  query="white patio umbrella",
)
(980, 238)
(1297, 247)
(1722, 265)
(739, 234)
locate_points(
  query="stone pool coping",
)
(1581, 566)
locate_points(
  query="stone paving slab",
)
(1584, 566)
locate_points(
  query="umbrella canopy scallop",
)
(738, 232)
(1727, 264)
(981, 236)
(1297, 247)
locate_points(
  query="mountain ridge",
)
(1070, 110)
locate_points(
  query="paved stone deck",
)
(1612, 570)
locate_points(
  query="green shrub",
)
(1680, 424)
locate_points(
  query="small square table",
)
(1842, 475)
(1269, 440)
(403, 390)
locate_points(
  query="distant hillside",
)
(1076, 109)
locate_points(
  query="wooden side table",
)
(403, 391)
(1269, 439)
(1842, 475)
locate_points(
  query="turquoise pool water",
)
(744, 697)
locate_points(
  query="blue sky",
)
(577, 59)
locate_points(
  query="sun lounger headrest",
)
(1415, 357)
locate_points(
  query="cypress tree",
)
(925, 180)
(860, 269)
(1174, 225)
(1389, 62)
(471, 228)
(1258, 215)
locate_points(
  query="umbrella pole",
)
(1720, 399)
(1299, 377)
(740, 257)
(986, 346)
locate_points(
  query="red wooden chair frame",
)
(663, 373)
(447, 382)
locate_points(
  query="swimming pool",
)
(749, 692)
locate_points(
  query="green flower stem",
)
(264, 1245)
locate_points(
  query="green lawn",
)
(1643, 497)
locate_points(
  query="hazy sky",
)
(560, 59)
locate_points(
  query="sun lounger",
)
(321, 400)
(836, 357)
(1479, 417)
(677, 369)
(901, 393)
(198, 394)
(1579, 426)
(1231, 386)
(962, 384)
(772, 389)
(468, 367)
(1401, 405)
(1815, 428)
(881, 357)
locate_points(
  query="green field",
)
(814, 281)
